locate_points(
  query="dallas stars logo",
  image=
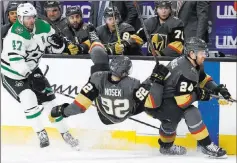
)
(34, 55)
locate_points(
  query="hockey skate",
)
(214, 151)
(74, 143)
(171, 149)
(43, 137)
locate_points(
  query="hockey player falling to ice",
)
(116, 95)
(23, 48)
(188, 83)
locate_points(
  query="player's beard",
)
(75, 25)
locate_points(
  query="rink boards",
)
(69, 75)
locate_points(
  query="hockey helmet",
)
(25, 9)
(120, 66)
(12, 6)
(194, 44)
(108, 12)
(73, 10)
(162, 4)
(49, 4)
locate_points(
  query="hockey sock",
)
(205, 142)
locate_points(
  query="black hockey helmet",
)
(49, 4)
(12, 6)
(108, 12)
(73, 10)
(194, 44)
(120, 66)
(163, 4)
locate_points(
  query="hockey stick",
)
(146, 32)
(220, 97)
(116, 25)
(144, 123)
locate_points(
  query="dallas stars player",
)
(117, 96)
(187, 83)
(23, 48)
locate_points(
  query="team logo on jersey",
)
(19, 30)
(34, 55)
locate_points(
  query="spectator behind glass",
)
(53, 12)
(76, 32)
(12, 17)
(194, 15)
(4, 4)
(108, 35)
(126, 9)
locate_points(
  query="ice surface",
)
(60, 153)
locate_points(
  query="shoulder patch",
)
(41, 26)
(19, 29)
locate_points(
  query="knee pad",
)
(30, 104)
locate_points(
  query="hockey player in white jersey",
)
(23, 48)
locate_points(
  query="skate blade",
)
(221, 157)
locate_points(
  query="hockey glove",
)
(137, 39)
(223, 91)
(202, 94)
(119, 48)
(37, 81)
(57, 112)
(159, 74)
(73, 49)
(56, 41)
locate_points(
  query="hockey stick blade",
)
(220, 97)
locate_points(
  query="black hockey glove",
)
(58, 111)
(159, 74)
(37, 81)
(202, 94)
(56, 41)
(223, 91)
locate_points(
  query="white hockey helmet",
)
(25, 9)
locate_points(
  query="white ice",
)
(60, 153)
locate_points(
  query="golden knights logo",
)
(159, 42)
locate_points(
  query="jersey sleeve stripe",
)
(10, 70)
(15, 59)
(204, 82)
(183, 100)
(176, 46)
(150, 102)
(82, 101)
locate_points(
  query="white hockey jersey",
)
(23, 50)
